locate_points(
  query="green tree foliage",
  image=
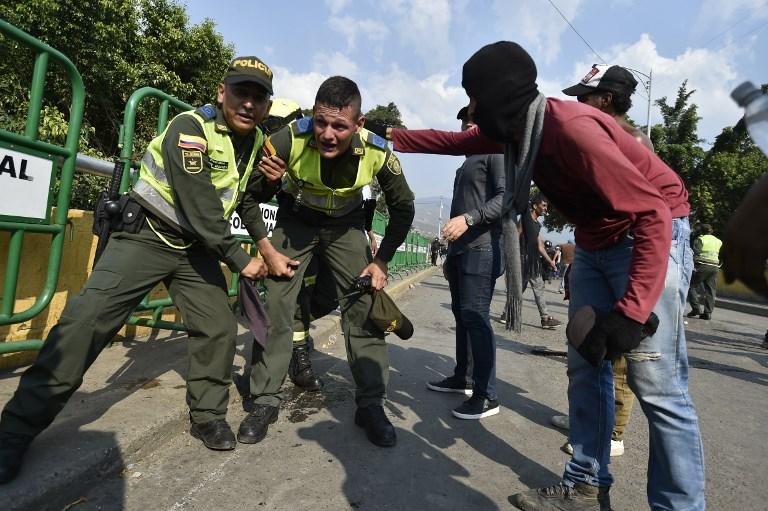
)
(389, 115)
(716, 179)
(676, 141)
(118, 46)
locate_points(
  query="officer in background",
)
(706, 266)
(206, 164)
(330, 158)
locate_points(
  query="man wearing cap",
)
(473, 263)
(330, 158)
(609, 89)
(631, 216)
(204, 165)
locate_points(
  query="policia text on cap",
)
(203, 167)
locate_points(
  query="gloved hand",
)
(597, 335)
(377, 127)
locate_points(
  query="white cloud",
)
(334, 64)
(424, 103)
(716, 16)
(424, 27)
(337, 6)
(535, 24)
(300, 87)
(352, 28)
(711, 73)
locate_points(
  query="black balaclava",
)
(501, 77)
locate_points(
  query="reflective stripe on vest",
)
(153, 185)
(303, 180)
(710, 250)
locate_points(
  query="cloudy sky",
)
(411, 52)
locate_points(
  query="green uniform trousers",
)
(131, 265)
(343, 252)
(703, 289)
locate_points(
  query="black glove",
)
(621, 344)
(611, 334)
(377, 127)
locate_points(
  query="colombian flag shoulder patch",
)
(192, 142)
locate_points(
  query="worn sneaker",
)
(561, 497)
(560, 421)
(476, 407)
(550, 323)
(451, 384)
(617, 448)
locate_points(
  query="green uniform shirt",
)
(196, 197)
(341, 172)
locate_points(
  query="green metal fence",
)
(411, 256)
(29, 144)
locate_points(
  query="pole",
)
(440, 218)
(648, 114)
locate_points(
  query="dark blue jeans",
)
(472, 277)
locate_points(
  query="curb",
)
(755, 308)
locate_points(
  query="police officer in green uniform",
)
(330, 158)
(706, 266)
(193, 176)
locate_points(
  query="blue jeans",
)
(472, 277)
(657, 374)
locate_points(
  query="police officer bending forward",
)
(330, 158)
(193, 176)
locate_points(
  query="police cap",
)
(386, 316)
(249, 69)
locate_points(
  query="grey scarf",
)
(519, 160)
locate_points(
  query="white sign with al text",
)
(25, 182)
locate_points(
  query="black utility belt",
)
(288, 207)
(121, 215)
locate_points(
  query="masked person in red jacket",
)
(632, 259)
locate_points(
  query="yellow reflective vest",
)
(710, 250)
(303, 180)
(154, 188)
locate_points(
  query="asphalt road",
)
(315, 458)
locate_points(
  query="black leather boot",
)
(254, 427)
(12, 450)
(215, 434)
(300, 370)
(377, 427)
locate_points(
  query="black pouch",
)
(132, 215)
(100, 218)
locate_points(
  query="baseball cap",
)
(387, 317)
(605, 78)
(249, 69)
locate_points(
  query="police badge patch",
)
(393, 164)
(192, 161)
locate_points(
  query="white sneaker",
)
(560, 421)
(617, 448)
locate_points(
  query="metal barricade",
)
(38, 162)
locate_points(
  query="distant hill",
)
(428, 213)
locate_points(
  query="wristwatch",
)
(468, 218)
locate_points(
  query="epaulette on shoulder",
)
(207, 112)
(302, 126)
(376, 140)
